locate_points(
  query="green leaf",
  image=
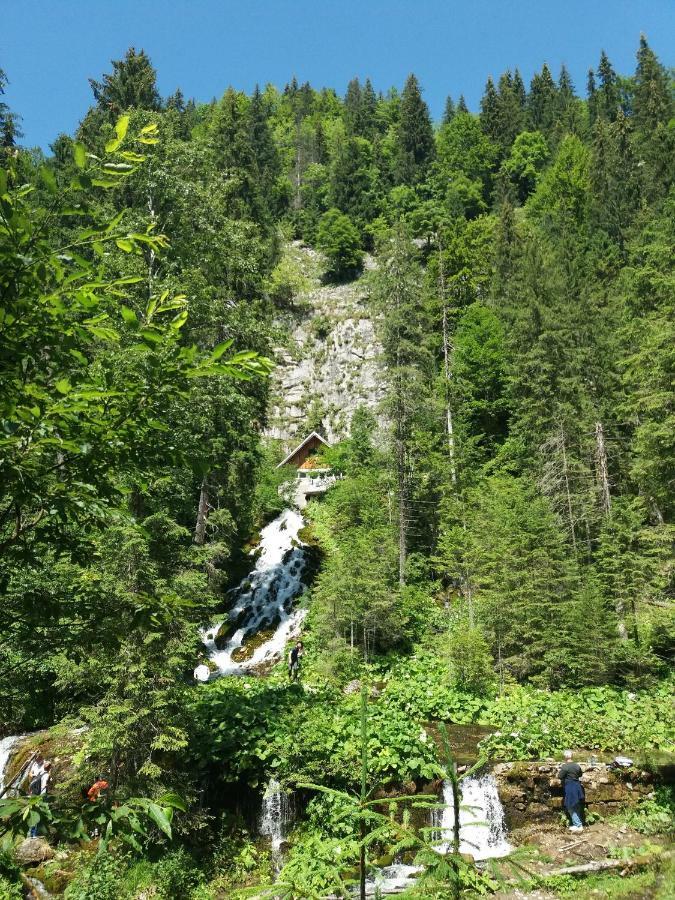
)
(174, 800)
(218, 351)
(80, 155)
(48, 179)
(121, 128)
(62, 386)
(124, 244)
(160, 818)
(129, 315)
(179, 320)
(149, 334)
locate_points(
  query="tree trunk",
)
(446, 363)
(602, 469)
(568, 493)
(202, 513)
(402, 484)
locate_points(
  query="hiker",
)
(99, 785)
(37, 767)
(39, 782)
(573, 791)
(294, 661)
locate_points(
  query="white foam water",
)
(7, 745)
(390, 880)
(275, 816)
(265, 597)
(482, 831)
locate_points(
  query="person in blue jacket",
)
(573, 791)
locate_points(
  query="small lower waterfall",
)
(7, 745)
(482, 830)
(276, 815)
(265, 598)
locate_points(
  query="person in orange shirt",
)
(94, 791)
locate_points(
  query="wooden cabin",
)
(307, 456)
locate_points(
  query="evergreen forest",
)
(494, 551)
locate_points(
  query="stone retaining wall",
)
(531, 791)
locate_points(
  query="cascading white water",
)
(481, 819)
(482, 833)
(275, 816)
(7, 745)
(265, 598)
(391, 880)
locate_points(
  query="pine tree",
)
(652, 103)
(397, 292)
(519, 89)
(592, 96)
(414, 135)
(353, 109)
(461, 105)
(368, 110)
(490, 118)
(264, 149)
(9, 127)
(132, 85)
(614, 178)
(607, 95)
(542, 101)
(448, 110)
(231, 137)
(176, 101)
(353, 188)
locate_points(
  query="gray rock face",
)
(329, 366)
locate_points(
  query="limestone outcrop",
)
(328, 366)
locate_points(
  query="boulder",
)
(33, 851)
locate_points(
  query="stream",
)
(263, 601)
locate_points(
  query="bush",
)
(339, 239)
(654, 815)
(10, 879)
(176, 876)
(471, 661)
(101, 879)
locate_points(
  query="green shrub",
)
(101, 879)
(176, 875)
(339, 239)
(540, 723)
(472, 665)
(654, 815)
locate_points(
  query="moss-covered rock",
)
(242, 654)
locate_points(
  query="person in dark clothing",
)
(38, 787)
(573, 791)
(294, 661)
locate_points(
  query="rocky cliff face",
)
(328, 365)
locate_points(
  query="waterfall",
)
(7, 745)
(265, 598)
(276, 815)
(482, 830)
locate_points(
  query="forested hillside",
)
(498, 547)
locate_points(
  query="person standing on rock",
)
(573, 791)
(294, 661)
(38, 786)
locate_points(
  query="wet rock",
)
(33, 851)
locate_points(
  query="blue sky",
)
(49, 48)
